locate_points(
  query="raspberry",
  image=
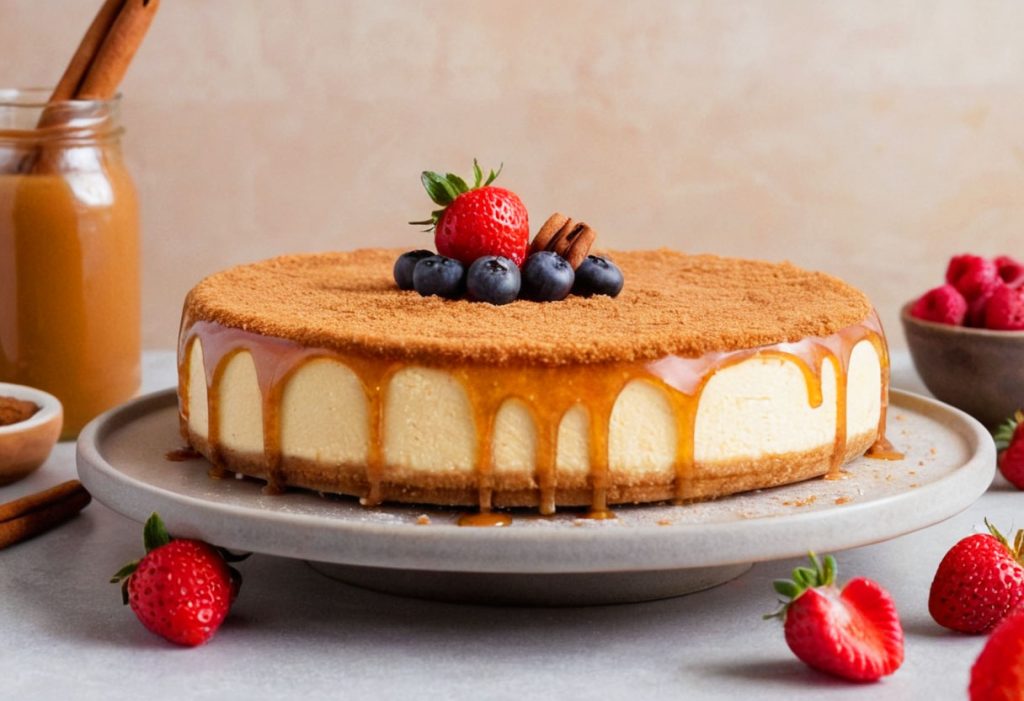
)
(943, 305)
(972, 276)
(977, 308)
(1010, 270)
(1005, 310)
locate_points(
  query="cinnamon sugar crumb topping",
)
(673, 303)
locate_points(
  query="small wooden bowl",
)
(977, 370)
(25, 445)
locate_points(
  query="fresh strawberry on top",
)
(473, 222)
(972, 276)
(181, 589)
(979, 581)
(943, 305)
(1010, 442)
(998, 673)
(853, 633)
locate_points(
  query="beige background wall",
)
(869, 139)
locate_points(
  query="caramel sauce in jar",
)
(69, 256)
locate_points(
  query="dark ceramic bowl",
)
(977, 370)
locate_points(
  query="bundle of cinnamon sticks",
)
(97, 68)
(29, 516)
(107, 48)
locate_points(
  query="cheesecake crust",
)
(672, 304)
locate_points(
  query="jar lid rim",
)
(37, 97)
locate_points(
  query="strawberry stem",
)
(822, 573)
(444, 188)
(154, 533)
(1017, 549)
(1004, 434)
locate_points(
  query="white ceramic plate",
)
(647, 552)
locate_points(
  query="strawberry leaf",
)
(829, 571)
(1004, 434)
(493, 176)
(443, 189)
(439, 189)
(786, 588)
(805, 577)
(822, 574)
(458, 183)
(154, 533)
(124, 572)
(997, 534)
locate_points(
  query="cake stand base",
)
(504, 589)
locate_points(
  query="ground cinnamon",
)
(14, 410)
(37, 513)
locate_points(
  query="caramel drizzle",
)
(547, 392)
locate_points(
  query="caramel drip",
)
(485, 519)
(882, 449)
(547, 392)
(684, 379)
(547, 482)
(600, 420)
(183, 454)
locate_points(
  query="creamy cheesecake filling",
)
(674, 421)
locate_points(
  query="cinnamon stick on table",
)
(37, 513)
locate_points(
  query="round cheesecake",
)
(706, 376)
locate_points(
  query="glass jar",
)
(69, 254)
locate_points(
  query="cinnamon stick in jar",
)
(99, 65)
(69, 83)
(117, 50)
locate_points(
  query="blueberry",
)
(437, 275)
(405, 265)
(597, 276)
(493, 279)
(547, 277)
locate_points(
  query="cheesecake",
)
(706, 376)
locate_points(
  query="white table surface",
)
(294, 633)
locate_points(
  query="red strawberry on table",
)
(943, 305)
(181, 589)
(1010, 442)
(998, 673)
(979, 581)
(477, 221)
(853, 632)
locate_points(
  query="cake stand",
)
(647, 552)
